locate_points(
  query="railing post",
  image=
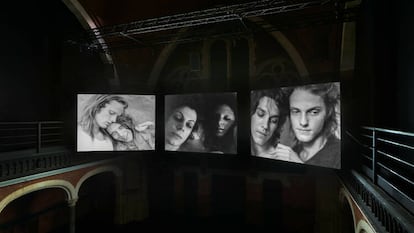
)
(374, 159)
(39, 136)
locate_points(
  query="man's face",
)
(307, 115)
(264, 121)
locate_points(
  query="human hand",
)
(286, 153)
(144, 126)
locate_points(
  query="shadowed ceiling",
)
(125, 23)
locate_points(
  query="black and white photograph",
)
(299, 124)
(201, 123)
(108, 122)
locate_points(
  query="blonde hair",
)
(93, 106)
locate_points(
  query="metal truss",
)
(209, 16)
(124, 35)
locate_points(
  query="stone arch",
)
(87, 23)
(344, 195)
(212, 48)
(348, 41)
(96, 171)
(162, 59)
(347, 201)
(279, 36)
(364, 227)
(65, 185)
(118, 186)
(288, 46)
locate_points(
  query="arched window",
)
(218, 64)
(239, 62)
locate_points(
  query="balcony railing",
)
(385, 180)
(388, 159)
(28, 148)
(30, 135)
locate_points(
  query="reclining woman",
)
(221, 130)
(180, 120)
(98, 112)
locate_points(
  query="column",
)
(254, 200)
(119, 197)
(178, 192)
(204, 194)
(72, 215)
(327, 205)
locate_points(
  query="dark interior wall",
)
(41, 72)
(405, 59)
(35, 71)
(185, 195)
(82, 72)
(384, 58)
(131, 67)
(31, 45)
(361, 107)
(320, 50)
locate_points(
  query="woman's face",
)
(224, 120)
(264, 121)
(179, 125)
(120, 132)
(108, 114)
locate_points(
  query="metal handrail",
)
(29, 122)
(386, 162)
(395, 158)
(389, 131)
(396, 173)
(16, 136)
(40, 155)
(396, 143)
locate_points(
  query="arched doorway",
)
(95, 208)
(39, 211)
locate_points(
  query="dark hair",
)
(227, 143)
(192, 101)
(127, 122)
(278, 95)
(172, 102)
(215, 101)
(330, 95)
